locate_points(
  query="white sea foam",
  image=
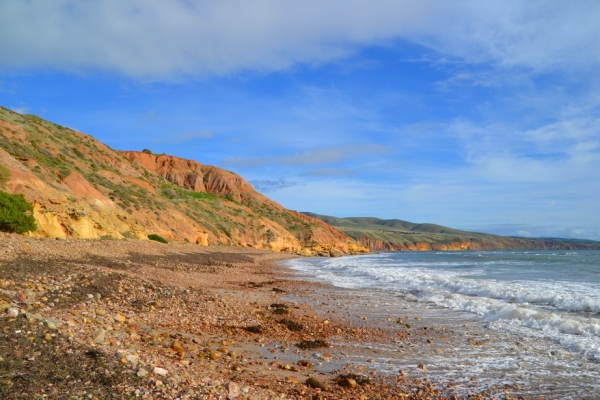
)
(534, 306)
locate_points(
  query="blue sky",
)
(475, 115)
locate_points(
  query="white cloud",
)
(152, 38)
(183, 137)
(309, 157)
(523, 233)
(20, 110)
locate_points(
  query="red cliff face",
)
(310, 233)
(194, 176)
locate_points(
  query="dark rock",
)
(315, 383)
(312, 344)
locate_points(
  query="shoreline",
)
(139, 319)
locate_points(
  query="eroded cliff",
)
(81, 188)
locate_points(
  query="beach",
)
(139, 319)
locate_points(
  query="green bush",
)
(15, 214)
(147, 151)
(4, 176)
(154, 236)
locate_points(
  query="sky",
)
(478, 115)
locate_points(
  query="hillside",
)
(81, 188)
(398, 235)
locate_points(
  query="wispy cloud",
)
(310, 157)
(20, 110)
(183, 137)
(322, 172)
(266, 186)
(145, 38)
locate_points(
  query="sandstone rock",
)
(333, 252)
(99, 335)
(351, 383)
(233, 390)
(177, 347)
(306, 252)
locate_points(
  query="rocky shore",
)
(121, 319)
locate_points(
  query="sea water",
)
(549, 300)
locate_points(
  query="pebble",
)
(99, 335)
(160, 371)
(315, 383)
(351, 383)
(142, 372)
(233, 390)
(13, 312)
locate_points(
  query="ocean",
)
(539, 310)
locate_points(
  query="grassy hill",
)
(395, 234)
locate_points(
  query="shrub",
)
(154, 236)
(15, 214)
(4, 176)
(147, 151)
(171, 193)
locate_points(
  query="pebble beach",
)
(124, 319)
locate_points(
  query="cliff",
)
(81, 188)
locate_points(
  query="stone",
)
(120, 318)
(142, 372)
(233, 390)
(177, 347)
(160, 371)
(291, 379)
(333, 252)
(47, 336)
(316, 384)
(422, 367)
(306, 253)
(351, 383)
(99, 335)
(13, 312)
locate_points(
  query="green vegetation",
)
(154, 236)
(15, 214)
(4, 176)
(399, 232)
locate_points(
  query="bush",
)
(15, 214)
(147, 151)
(4, 176)
(154, 236)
